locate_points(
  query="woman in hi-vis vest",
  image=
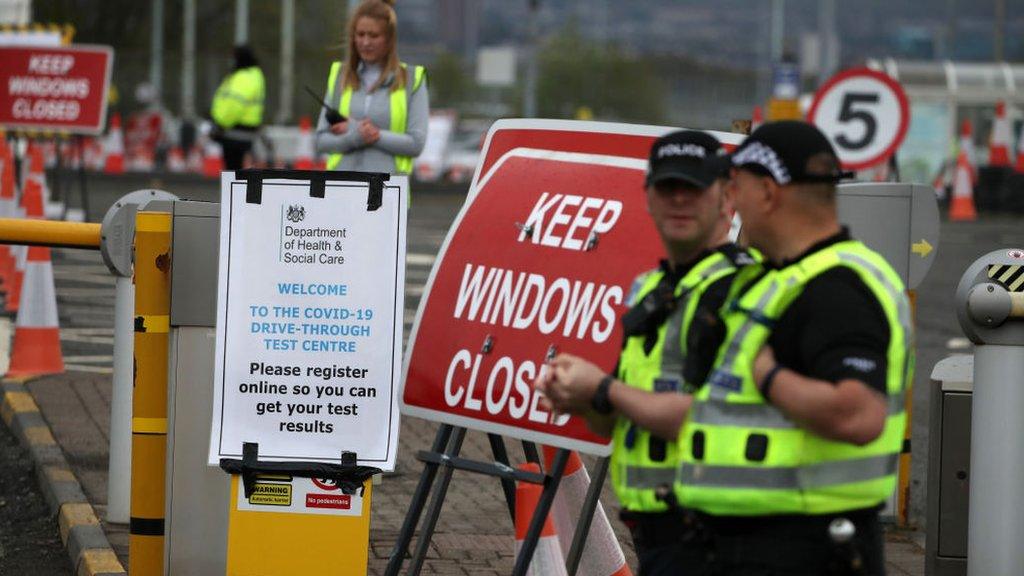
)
(384, 102)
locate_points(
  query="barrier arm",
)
(28, 232)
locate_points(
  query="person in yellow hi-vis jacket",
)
(641, 404)
(383, 102)
(237, 109)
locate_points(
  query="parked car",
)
(464, 150)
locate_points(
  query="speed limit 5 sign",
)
(864, 113)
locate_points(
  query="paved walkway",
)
(474, 534)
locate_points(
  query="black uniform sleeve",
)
(835, 330)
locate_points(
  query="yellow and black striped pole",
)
(149, 401)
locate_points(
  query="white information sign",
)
(294, 495)
(864, 113)
(309, 322)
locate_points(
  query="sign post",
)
(309, 335)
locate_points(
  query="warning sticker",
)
(267, 494)
(337, 501)
(287, 495)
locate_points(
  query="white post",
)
(120, 466)
(241, 22)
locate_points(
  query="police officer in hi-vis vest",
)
(642, 405)
(237, 108)
(792, 444)
(383, 102)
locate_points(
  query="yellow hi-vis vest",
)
(399, 110)
(238, 100)
(741, 456)
(640, 461)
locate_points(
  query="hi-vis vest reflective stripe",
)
(640, 462)
(742, 456)
(399, 110)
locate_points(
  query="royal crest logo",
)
(296, 213)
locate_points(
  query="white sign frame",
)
(864, 113)
(259, 306)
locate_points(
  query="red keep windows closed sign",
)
(540, 259)
(63, 89)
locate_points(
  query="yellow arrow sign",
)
(923, 248)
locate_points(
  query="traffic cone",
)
(304, 152)
(1020, 150)
(999, 144)
(8, 209)
(113, 147)
(602, 555)
(941, 181)
(35, 168)
(36, 348)
(547, 557)
(93, 155)
(31, 205)
(757, 118)
(213, 161)
(961, 207)
(176, 160)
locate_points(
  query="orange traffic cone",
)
(213, 161)
(1020, 150)
(176, 160)
(113, 147)
(547, 557)
(999, 144)
(305, 152)
(35, 168)
(8, 209)
(961, 207)
(602, 555)
(32, 207)
(757, 118)
(36, 348)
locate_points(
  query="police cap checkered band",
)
(784, 150)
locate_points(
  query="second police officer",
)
(641, 406)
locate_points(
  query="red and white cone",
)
(36, 348)
(547, 557)
(113, 147)
(1020, 150)
(757, 118)
(602, 555)
(961, 206)
(176, 160)
(213, 160)
(31, 206)
(304, 151)
(8, 209)
(999, 144)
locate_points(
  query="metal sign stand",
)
(443, 457)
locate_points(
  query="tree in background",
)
(576, 73)
(450, 85)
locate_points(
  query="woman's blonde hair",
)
(382, 11)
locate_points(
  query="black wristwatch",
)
(600, 402)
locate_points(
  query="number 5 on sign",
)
(865, 115)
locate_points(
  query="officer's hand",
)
(368, 131)
(764, 362)
(339, 128)
(569, 384)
